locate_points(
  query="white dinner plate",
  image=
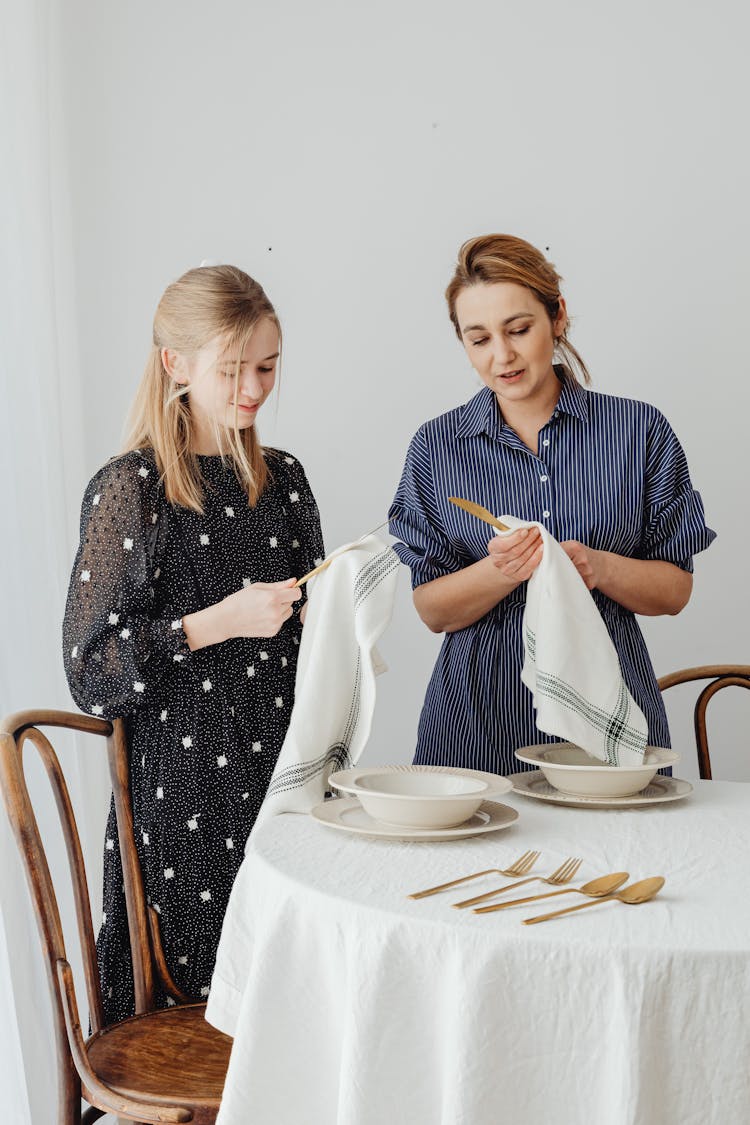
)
(660, 790)
(346, 814)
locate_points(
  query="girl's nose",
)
(250, 385)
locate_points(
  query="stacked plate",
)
(417, 802)
(567, 774)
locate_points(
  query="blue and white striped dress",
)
(610, 473)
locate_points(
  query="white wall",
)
(341, 152)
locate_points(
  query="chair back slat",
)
(135, 897)
(77, 867)
(721, 676)
(36, 869)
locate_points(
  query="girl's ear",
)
(175, 365)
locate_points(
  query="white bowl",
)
(571, 770)
(420, 796)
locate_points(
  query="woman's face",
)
(509, 340)
(210, 377)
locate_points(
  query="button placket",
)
(544, 480)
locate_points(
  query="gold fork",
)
(523, 864)
(565, 872)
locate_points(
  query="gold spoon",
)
(632, 895)
(604, 885)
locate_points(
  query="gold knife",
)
(481, 513)
(327, 562)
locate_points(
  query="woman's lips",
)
(512, 376)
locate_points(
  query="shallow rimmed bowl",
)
(420, 796)
(571, 770)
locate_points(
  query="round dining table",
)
(352, 1004)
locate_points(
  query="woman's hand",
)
(586, 561)
(260, 609)
(518, 555)
(647, 586)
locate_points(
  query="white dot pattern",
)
(205, 727)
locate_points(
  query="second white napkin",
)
(571, 665)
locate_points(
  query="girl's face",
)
(217, 399)
(509, 340)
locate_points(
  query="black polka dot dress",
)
(205, 727)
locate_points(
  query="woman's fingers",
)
(512, 554)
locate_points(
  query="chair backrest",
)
(721, 676)
(15, 733)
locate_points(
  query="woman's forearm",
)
(645, 586)
(455, 601)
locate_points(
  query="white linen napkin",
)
(350, 604)
(571, 665)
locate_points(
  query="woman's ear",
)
(175, 365)
(560, 322)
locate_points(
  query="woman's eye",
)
(478, 343)
(520, 331)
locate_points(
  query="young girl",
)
(183, 618)
(606, 476)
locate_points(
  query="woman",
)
(605, 476)
(183, 618)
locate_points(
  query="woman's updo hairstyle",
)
(491, 258)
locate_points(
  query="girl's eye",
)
(265, 370)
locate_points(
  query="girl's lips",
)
(246, 409)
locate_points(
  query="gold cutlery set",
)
(603, 889)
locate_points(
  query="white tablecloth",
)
(353, 1005)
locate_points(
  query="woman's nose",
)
(503, 352)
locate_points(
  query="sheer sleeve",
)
(415, 520)
(115, 648)
(674, 524)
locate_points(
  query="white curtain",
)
(41, 478)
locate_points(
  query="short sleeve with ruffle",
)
(674, 523)
(415, 521)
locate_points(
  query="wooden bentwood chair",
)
(721, 676)
(164, 1065)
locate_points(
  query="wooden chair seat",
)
(171, 1056)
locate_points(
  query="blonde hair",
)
(203, 304)
(490, 258)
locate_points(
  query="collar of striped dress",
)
(481, 415)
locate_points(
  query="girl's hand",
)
(518, 555)
(259, 610)
(586, 561)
